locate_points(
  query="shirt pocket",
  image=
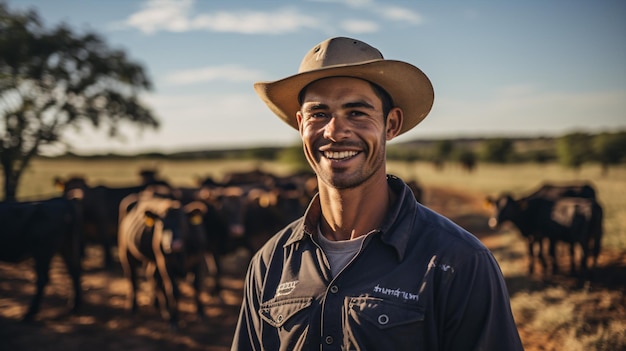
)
(379, 324)
(279, 311)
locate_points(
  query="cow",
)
(574, 220)
(101, 208)
(554, 191)
(41, 229)
(168, 239)
(247, 209)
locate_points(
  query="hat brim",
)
(409, 88)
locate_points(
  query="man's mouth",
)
(339, 155)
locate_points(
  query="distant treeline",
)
(571, 150)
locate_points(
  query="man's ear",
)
(299, 119)
(394, 122)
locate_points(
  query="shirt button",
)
(329, 340)
(334, 289)
(383, 319)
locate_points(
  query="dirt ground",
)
(105, 324)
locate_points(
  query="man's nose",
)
(336, 129)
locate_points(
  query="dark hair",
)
(382, 94)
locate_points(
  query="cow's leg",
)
(542, 257)
(572, 258)
(212, 260)
(129, 264)
(42, 268)
(552, 252)
(197, 287)
(157, 298)
(169, 289)
(72, 263)
(106, 247)
(531, 256)
(583, 260)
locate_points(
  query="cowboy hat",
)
(407, 85)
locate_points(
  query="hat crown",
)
(338, 51)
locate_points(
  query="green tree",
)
(52, 80)
(294, 156)
(498, 150)
(574, 149)
(609, 149)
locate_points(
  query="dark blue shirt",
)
(419, 283)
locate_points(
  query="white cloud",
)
(390, 12)
(176, 16)
(400, 14)
(357, 26)
(249, 22)
(233, 73)
(170, 15)
(182, 16)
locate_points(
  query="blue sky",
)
(523, 68)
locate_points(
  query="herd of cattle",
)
(168, 231)
(555, 213)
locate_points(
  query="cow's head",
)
(67, 185)
(502, 209)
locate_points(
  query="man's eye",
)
(357, 113)
(318, 115)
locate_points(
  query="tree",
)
(610, 149)
(52, 80)
(498, 150)
(574, 149)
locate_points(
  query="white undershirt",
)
(340, 252)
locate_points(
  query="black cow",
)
(554, 191)
(569, 219)
(169, 240)
(101, 209)
(40, 230)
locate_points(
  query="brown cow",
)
(169, 240)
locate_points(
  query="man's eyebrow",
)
(314, 106)
(321, 106)
(358, 104)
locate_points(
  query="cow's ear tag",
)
(149, 221)
(196, 219)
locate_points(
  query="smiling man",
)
(367, 267)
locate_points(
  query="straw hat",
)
(407, 85)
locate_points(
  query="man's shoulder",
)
(445, 233)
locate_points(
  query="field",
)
(551, 314)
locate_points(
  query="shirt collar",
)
(396, 228)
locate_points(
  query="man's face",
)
(344, 132)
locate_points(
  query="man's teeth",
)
(338, 155)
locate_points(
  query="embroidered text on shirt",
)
(396, 292)
(286, 288)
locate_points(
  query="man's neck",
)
(350, 213)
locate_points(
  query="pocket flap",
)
(385, 314)
(277, 311)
